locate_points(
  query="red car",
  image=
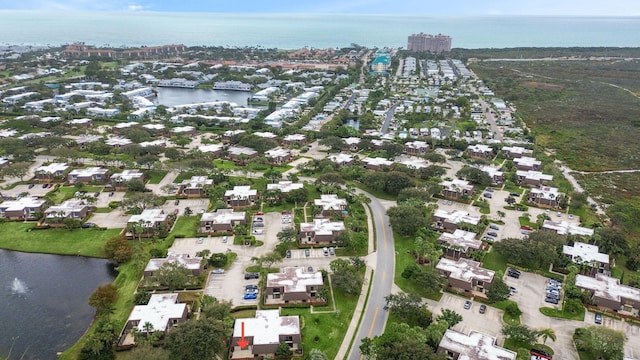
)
(524, 227)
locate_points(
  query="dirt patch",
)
(542, 86)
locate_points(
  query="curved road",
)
(374, 318)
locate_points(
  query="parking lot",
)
(35, 190)
(115, 219)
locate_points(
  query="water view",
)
(44, 302)
(178, 96)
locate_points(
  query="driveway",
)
(115, 219)
(103, 200)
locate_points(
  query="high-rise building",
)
(429, 43)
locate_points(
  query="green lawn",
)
(561, 314)
(186, 226)
(84, 242)
(66, 192)
(155, 176)
(225, 164)
(404, 258)
(506, 317)
(494, 261)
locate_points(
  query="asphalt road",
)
(374, 319)
(387, 118)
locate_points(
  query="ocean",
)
(292, 31)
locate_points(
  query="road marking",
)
(384, 274)
(373, 322)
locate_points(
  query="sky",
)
(400, 7)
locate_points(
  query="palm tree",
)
(547, 333)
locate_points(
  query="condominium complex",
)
(429, 43)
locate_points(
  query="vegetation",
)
(599, 342)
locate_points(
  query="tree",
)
(299, 196)
(148, 160)
(520, 333)
(71, 223)
(601, 342)
(451, 317)
(406, 220)
(284, 351)
(140, 201)
(547, 333)
(348, 280)
(273, 175)
(510, 200)
(103, 298)
(333, 142)
(135, 185)
(316, 354)
(144, 351)
(536, 252)
(99, 344)
(172, 275)
(409, 309)
(197, 339)
(288, 235)
(19, 170)
(611, 241)
(474, 175)
(498, 290)
(400, 342)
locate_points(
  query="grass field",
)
(84, 242)
(494, 261)
(404, 258)
(186, 226)
(155, 176)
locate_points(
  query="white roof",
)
(149, 217)
(125, 125)
(153, 126)
(322, 226)
(127, 175)
(277, 152)
(65, 209)
(607, 287)
(229, 133)
(456, 184)
(80, 122)
(457, 216)
(417, 144)
(295, 137)
(182, 129)
(341, 158)
(159, 142)
(118, 141)
(492, 171)
(330, 202)
(210, 148)
(464, 239)
(585, 253)
(223, 216)
(241, 192)
(197, 182)
(184, 260)
(294, 279)
(266, 134)
(377, 161)
(90, 171)
(240, 150)
(351, 140)
(84, 139)
(465, 270)
(527, 161)
(475, 346)
(517, 150)
(52, 168)
(479, 148)
(160, 309)
(564, 227)
(267, 326)
(21, 203)
(413, 162)
(546, 192)
(285, 186)
(534, 175)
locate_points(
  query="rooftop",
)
(196, 182)
(21, 203)
(294, 279)
(160, 309)
(517, 150)
(277, 153)
(330, 202)
(285, 186)
(149, 217)
(241, 192)
(585, 253)
(90, 171)
(341, 158)
(322, 226)
(475, 346)
(184, 260)
(377, 161)
(608, 288)
(127, 175)
(456, 184)
(527, 161)
(223, 216)
(463, 239)
(465, 270)
(267, 326)
(564, 227)
(534, 175)
(52, 168)
(65, 209)
(456, 216)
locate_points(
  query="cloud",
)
(135, 7)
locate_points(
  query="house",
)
(155, 129)
(70, 209)
(526, 163)
(513, 152)
(51, 172)
(564, 227)
(607, 292)
(330, 204)
(320, 231)
(183, 130)
(412, 162)
(294, 139)
(264, 333)
(90, 175)
(351, 143)
(194, 187)
(284, 186)
(223, 220)
(4, 162)
(151, 221)
(497, 176)
(278, 156)
(293, 285)
(83, 140)
(227, 135)
(118, 142)
(448, 220)
(25, 208)
(466, 275)
(213, 149)
(342, 159)
(376, 163)
(193, 264)
(459, 243)
(480, 151)
(457, 189)
(161, 313)
(475, 346)
(582, 253)
(240, 196)
(545, 196)
(532, 178)
(239, 153)
(416, 147)
(120, 180)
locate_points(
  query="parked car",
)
(89, 225)
(489, 239)
(332, 251)
(483, 308)
(224, 239)
(249, 276)
(487, 195)
(513, 289)
(492, 233)
(251, 290)
(251, 286)
(494, 227)
(96, 194)
(250, 296)
(31, 186)
(177, 202)
(540, 353)
(325, 251)
(310, 269)
(307, 252)
(598, 319)
(489, 189)
(551, 300)
(514, 273)
(288, 254)
(44, 186)
(467, 304)
(515, 194)
(525, 227)
(200, 240)
(218, 271)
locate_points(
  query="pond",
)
(44, 301)
(178, 96)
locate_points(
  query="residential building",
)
(412, 162)
(240, 196)
(330, 204)
(120, 180)
(342, 159)
(118, 142)
(70, 209)
(475, 346)
(223, 220)
(264, 333)
(183, 130)
(607, 292)
(227, 135)
(545, 196)
(429, 43)
(526, 163)
(564, 227)
(589, 255)
(193, 264)
(320, 231)
(83, 140)
(4, 162)
(513, 152)
(150, 222)
(25, 208)
(240, 153)
(448, 220)
(90, 175)
(161, 313)
(459, 243)
(294, 139)
(497, 176)
(213, 149)
(351, 143)
(284, 186)
(293, 285)
(376, 163)
(532, 178)
(195, 187)
(466, 275)
(480, 151)
(278, 156)
(416, 147)
(52, 172)
(457, 189)
(265, 134)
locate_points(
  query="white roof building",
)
(223, 216)
(457, 185)
(241, 150)
(127, 175)
(154, 127)
(493, 172)
(564, 227)
(186, 261)
(527, 162)
(466, 270)
(241, 192)
(517, 151)
(196, 182)
(213, 148)
(85, 139)
(285, 186)
(456, 216)
(88, 172)
(609, 288)
(295, 137)
(149, 217)
(377, 162)
(351, 141)
(266, 327)
(294, 279)
(531, 175)
(22, 203)
(277, 153)
(69, 208)
(322, 226)
(462, 239)
(545, 192)
(330, 202)
(413, 162)
(125, 125)
(118, 142)
(585, 253)
(159, 312)
(53, 168)
(159, 142)
(83, 121)
(183, 129)
(475, 346)
(341, 158)
(265, 135)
